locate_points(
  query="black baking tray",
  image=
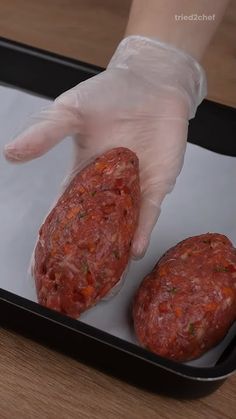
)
(214, 127)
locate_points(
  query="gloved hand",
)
(142, 101)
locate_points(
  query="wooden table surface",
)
(91, 29)
(36, 382)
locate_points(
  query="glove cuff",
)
(164, 65)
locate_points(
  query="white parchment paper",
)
(203, 200)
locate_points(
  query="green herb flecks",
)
(81, 215)
(173, 290)
(85, 267)
(221, 268)
(191, 329)
(116, 254)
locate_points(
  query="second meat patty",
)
(186, 305)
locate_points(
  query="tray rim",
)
(213, 373)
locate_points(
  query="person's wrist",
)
(188, 25)
(164, 65)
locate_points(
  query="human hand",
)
(142, 101)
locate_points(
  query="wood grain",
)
(37, 382)
(220, 60)
(85, 29)
(91, 29)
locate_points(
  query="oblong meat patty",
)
(186, 305)
(84, 243)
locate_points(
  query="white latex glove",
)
(143, 101)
